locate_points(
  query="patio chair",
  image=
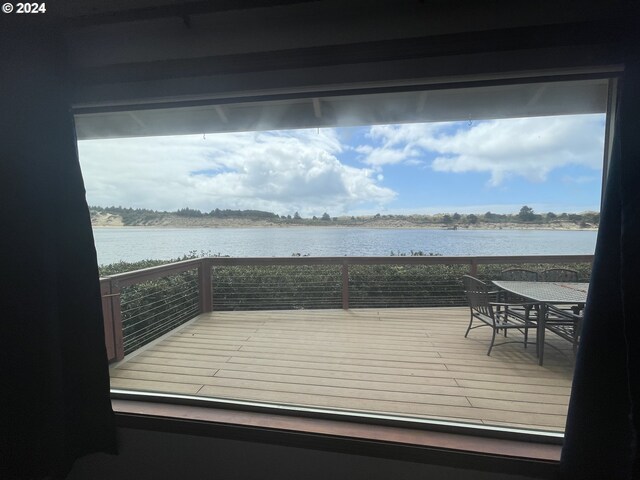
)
(484, 310)
(565, 323)
(559, 275)
(519, 275)
(562, 275)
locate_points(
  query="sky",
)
(548, 163)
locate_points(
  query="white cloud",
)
(409, 133)
(275, 171)
(397, 144)
(382, 156)
(527, 147)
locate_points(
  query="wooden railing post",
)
(345, 286)
(473, 271)
(111, 311)
(117, 319)
(204, 285)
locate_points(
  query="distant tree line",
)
(526, 215)
(217, 213)
(136, 216)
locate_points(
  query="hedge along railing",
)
(143, 305)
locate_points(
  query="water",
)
(141, 243)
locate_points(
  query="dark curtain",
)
(601, 439)
(55, 403)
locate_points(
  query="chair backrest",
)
(559, 275)
(519, 275)
(478, 296)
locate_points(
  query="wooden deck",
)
(411, 361)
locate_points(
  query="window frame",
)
(459, 450)
(447, 443)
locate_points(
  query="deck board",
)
(412, 361)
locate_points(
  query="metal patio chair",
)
(562, 275)
(559, 275)
(565, 323)
(519, 275)
(486, 311)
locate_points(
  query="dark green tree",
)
(489, 216)
(591, 217)
(526, 214)
(188, 212)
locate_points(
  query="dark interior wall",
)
(313, 24)
(327, 45)
(156, 455)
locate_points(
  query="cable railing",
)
(276, 287)
(153, 308)
(143, 305)
(397, 286)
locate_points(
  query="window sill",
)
(409, 444)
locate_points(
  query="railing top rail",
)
(152, 273)
(398, 260)
(534, 259)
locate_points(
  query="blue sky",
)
(548, 163)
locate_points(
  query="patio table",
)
(544, 293)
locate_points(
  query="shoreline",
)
(110, 220)
(490, 227)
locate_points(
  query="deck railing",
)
(142, 305)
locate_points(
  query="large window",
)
(322, 242)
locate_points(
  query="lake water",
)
(138, 243)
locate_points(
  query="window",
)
(339, 229)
